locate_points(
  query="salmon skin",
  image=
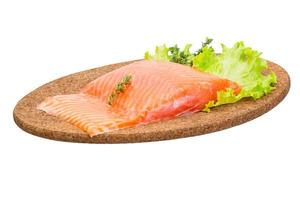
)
(157, 91)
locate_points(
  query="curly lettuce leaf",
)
(207, 61)
(240, 64)
(161, 53)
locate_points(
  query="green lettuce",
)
(240, 64)
(161, 53)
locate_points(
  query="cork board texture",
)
(39, 123)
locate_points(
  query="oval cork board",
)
(39, 123)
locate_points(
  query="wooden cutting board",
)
(39, 123)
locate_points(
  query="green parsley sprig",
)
(120, 88)
(206, 43)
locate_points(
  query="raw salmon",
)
(157, 91)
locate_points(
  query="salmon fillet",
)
(157, 91)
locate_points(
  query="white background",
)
(43, 40)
